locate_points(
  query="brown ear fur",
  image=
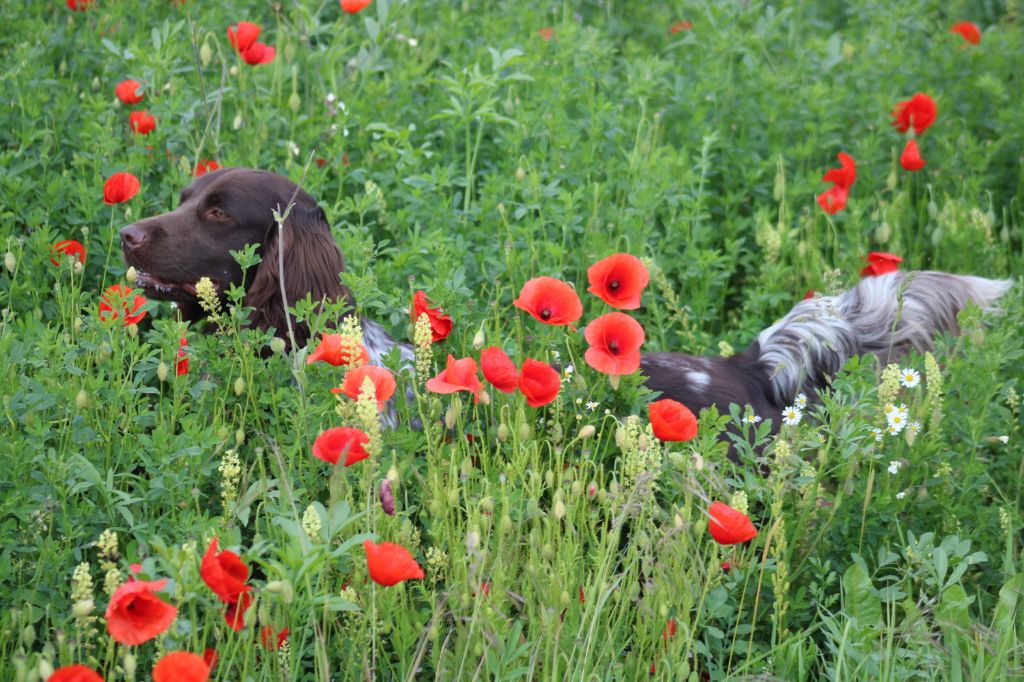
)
(312, 261)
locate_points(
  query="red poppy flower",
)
(129, 91)
(969, 30)
(204, 167)
(539, 382)
(680, 26)
(390, 564)
(210, 657)
(550, 300)
(242, 35)
(354, 6)
(271, 639)
(234, 614)
(919, 111)
(330, 445)
(911, 159)
(440, 324)
(499, 369)
(79, 5)
(458, 375)
(671, 420)
(75, 673)
(120, 187)
(670, 630)
(834, 199)
(615, 341)
(583, 597)
(181, 366)
(726, 566)
(729, 526)
(546, 33)
(880, 263)
(224, 573)
(259, 53)
(142, 122)
(383, 383)
(181, 666)
(67, 247)
(618, 280)
(809, 295)
(136, 615)
(338, 350)
(118, 302)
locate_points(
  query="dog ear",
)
(312, 262)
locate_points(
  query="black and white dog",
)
(887, 316)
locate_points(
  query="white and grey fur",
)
(887, 316)
(378, 345)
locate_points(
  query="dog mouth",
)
(170, 291)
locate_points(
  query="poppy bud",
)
(592, 489)
(105, 351)
(485, 397)
(506, 524)
(478, 340)
(453, 496)
(502, 432)
(277, 345)
(451, 414)
(28, 636)
(133, 330)
(549, 478)
(234, 72)
(239, 386)
(883, 232)
(83, 608)
(933, 210)
(891, 180)
(620, 436)
(237, 123)
(222, 432)
(564, 598)
(128, 662)
(577, 488)
(82, 400)
(131, 275)
(434, 508)
(387, 498)
(393, 476)
(555, 433)
(45, 669)
(937, 237)
(587, 432)
(263, 614)
(205, 54)
(239, 437)
(161, 371)
(559, 509)
(547, 552)
(677, 521)
(10, 262)
(294, 102)
(520, 174)
(289, 52)
(283, 588)
(524, 431)
(487, 505)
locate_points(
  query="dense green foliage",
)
(457, 150)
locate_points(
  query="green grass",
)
(464, 163)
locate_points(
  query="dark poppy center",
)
(545, 313)
(614, 285)
(613, 346)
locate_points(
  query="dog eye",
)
(217, 214)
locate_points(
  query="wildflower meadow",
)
(530, 195)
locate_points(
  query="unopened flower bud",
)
(82, 400)
(131, 275)
(487, 505)
(282, 588)
(592, 489)
(587, 432)
(883, 232)
(506, 524)
(239, 437)
(520, 174)
(44, 669)
(620, 436)
(133, 330)
(10, 262)
(161, 371)
(28, 636)
(289, 52)
(387, 498)
(239, 386)
(205, 54)
(478, 339)
(233, 70)
(277, 345)
(576, 488)
(503, 432)
(237, 123)
(677, 521)
(451, 415)
(295, 102)
(129, 664)
(485, 397)
(83, 608)
(559, 509)
(524, 431)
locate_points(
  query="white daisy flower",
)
(751, 419)
(910, 377)
(902, 409)
(914, 427)
(591, 405)
(894, 466)
(893, 430)
(877, 433)
(1003, 439)
(801, 400)
(889, 409)
(792, 415)
(900, 495)
(898, 421)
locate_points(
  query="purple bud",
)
(387, 498)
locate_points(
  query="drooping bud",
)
(161, 371)
(387, 498)
(131, 275)
(239, 386)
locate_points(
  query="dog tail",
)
(888, 315)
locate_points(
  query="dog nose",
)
(132, 236)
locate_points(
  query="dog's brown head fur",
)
(222, 212)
